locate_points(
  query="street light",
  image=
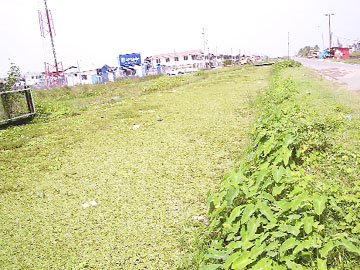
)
(330, 35)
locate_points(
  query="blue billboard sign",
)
(130, 59)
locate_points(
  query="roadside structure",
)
(177, 62)
(35, 80)
(341, 53)
(75, 77)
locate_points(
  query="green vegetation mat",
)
(115, 176)
(293, 201)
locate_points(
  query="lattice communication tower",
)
(54, 70)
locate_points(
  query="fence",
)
(16, 104)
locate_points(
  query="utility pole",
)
(330, 34)
(288, 45)
(203, 33)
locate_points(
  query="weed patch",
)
(282, 208)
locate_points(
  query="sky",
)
(91, 33)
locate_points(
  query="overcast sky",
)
(94, 32)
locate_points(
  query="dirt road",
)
(348, 74)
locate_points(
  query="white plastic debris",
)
(85, 205)
(136, 126)
(173, 91)
(93, 203)
(349, 117)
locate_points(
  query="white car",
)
(175, 72)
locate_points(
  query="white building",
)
(178, 62)
(74, 77)
(35, 79)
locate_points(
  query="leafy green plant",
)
(228, 62)
(270, 213)
(9, 100)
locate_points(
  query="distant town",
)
(133, 65)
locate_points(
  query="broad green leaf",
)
(268, 196)
(219, 210)
(326, 249)
(349, 246)
(211, 267)
(263, 264)
(319, 203)
(288, 244)
(231, 259)
(263, 236)
(302, 245)
(231, 195)
(278, 155)
(321, 264)
(278, 189)
(277, 234)
(247, 244)
(261, 175)
(308, 223)
(272, 253)
(251, 192)
(296, 202)
(277, 173)
(289, 138)
(295, 216)
(272, 246)
(243, 261)
(215, 254)
(252, 226)
(294, 266)
(257, 250)
(234, 214)
(295, 230)
(268, 145)
(284, 205)
(286, 155)
(273, 223)
(267, 183)
(265, 210)
(233, 245)
(248, 211)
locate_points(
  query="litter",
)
(93, 203)
(349, 117)
(136, 126)
(85, 205)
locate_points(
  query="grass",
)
(149, 182)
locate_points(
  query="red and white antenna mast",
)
(54, 71)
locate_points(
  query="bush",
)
(228, 62)
(9, 100)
